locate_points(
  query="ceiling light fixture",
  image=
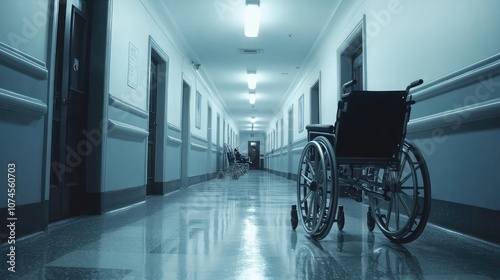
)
(251, 97)
(252, 18)
(252, 80)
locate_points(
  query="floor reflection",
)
(241, 229)
(389, 261)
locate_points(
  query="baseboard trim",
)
(474, 221)
(99, 203)
(163, 188)
(31, 218)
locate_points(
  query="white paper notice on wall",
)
(133, 65)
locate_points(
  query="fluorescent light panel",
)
(252, 80)
(252, 19)
(251, 98)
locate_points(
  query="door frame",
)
(219, 153)
(290, 143)
(315, 100)
(161, 113)
(209, 140)
(152, 124)
(185, 131)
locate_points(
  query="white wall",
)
(26, 43)
(135, 22)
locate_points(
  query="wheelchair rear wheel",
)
(311, 185)
(331, 188)
(403, 216)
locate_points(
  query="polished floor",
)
(239, 229)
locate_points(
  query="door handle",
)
(64, 101)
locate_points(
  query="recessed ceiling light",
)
(252, 18)
(252, 80)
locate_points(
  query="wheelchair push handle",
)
(414, 84)
(349, 84)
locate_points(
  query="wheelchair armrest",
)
(326, 128)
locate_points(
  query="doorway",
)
(357, 68)
(254, 154)
(219, 154)
(290, 144)
(209, 142)
(315, 103)
(186, 95)
(70, 108)
(153, 102)
(352, 60)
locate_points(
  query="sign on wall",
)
(133, 65)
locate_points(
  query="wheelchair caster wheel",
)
(341, 218)
(370, 221)
(294, 217)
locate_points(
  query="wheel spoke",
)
(310, 165)
(404, 204)
(408, 188)
(318, 166)
(312, 210)
(306, 197)
(389, 211)
(401, 168)
(407, 195)
(378, 207)
(306, 178)
(402, 181)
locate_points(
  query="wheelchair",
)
(233, 165)
(366, 151)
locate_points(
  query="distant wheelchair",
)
(366, 151)
(234, 165)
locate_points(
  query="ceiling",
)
(214, 31)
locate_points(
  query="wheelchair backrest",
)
(371, 126)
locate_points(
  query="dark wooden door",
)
(314, 103)
(254, 154)
(153, 97)
(357, 68)
(69, 145)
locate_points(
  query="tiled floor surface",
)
(239, 229)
